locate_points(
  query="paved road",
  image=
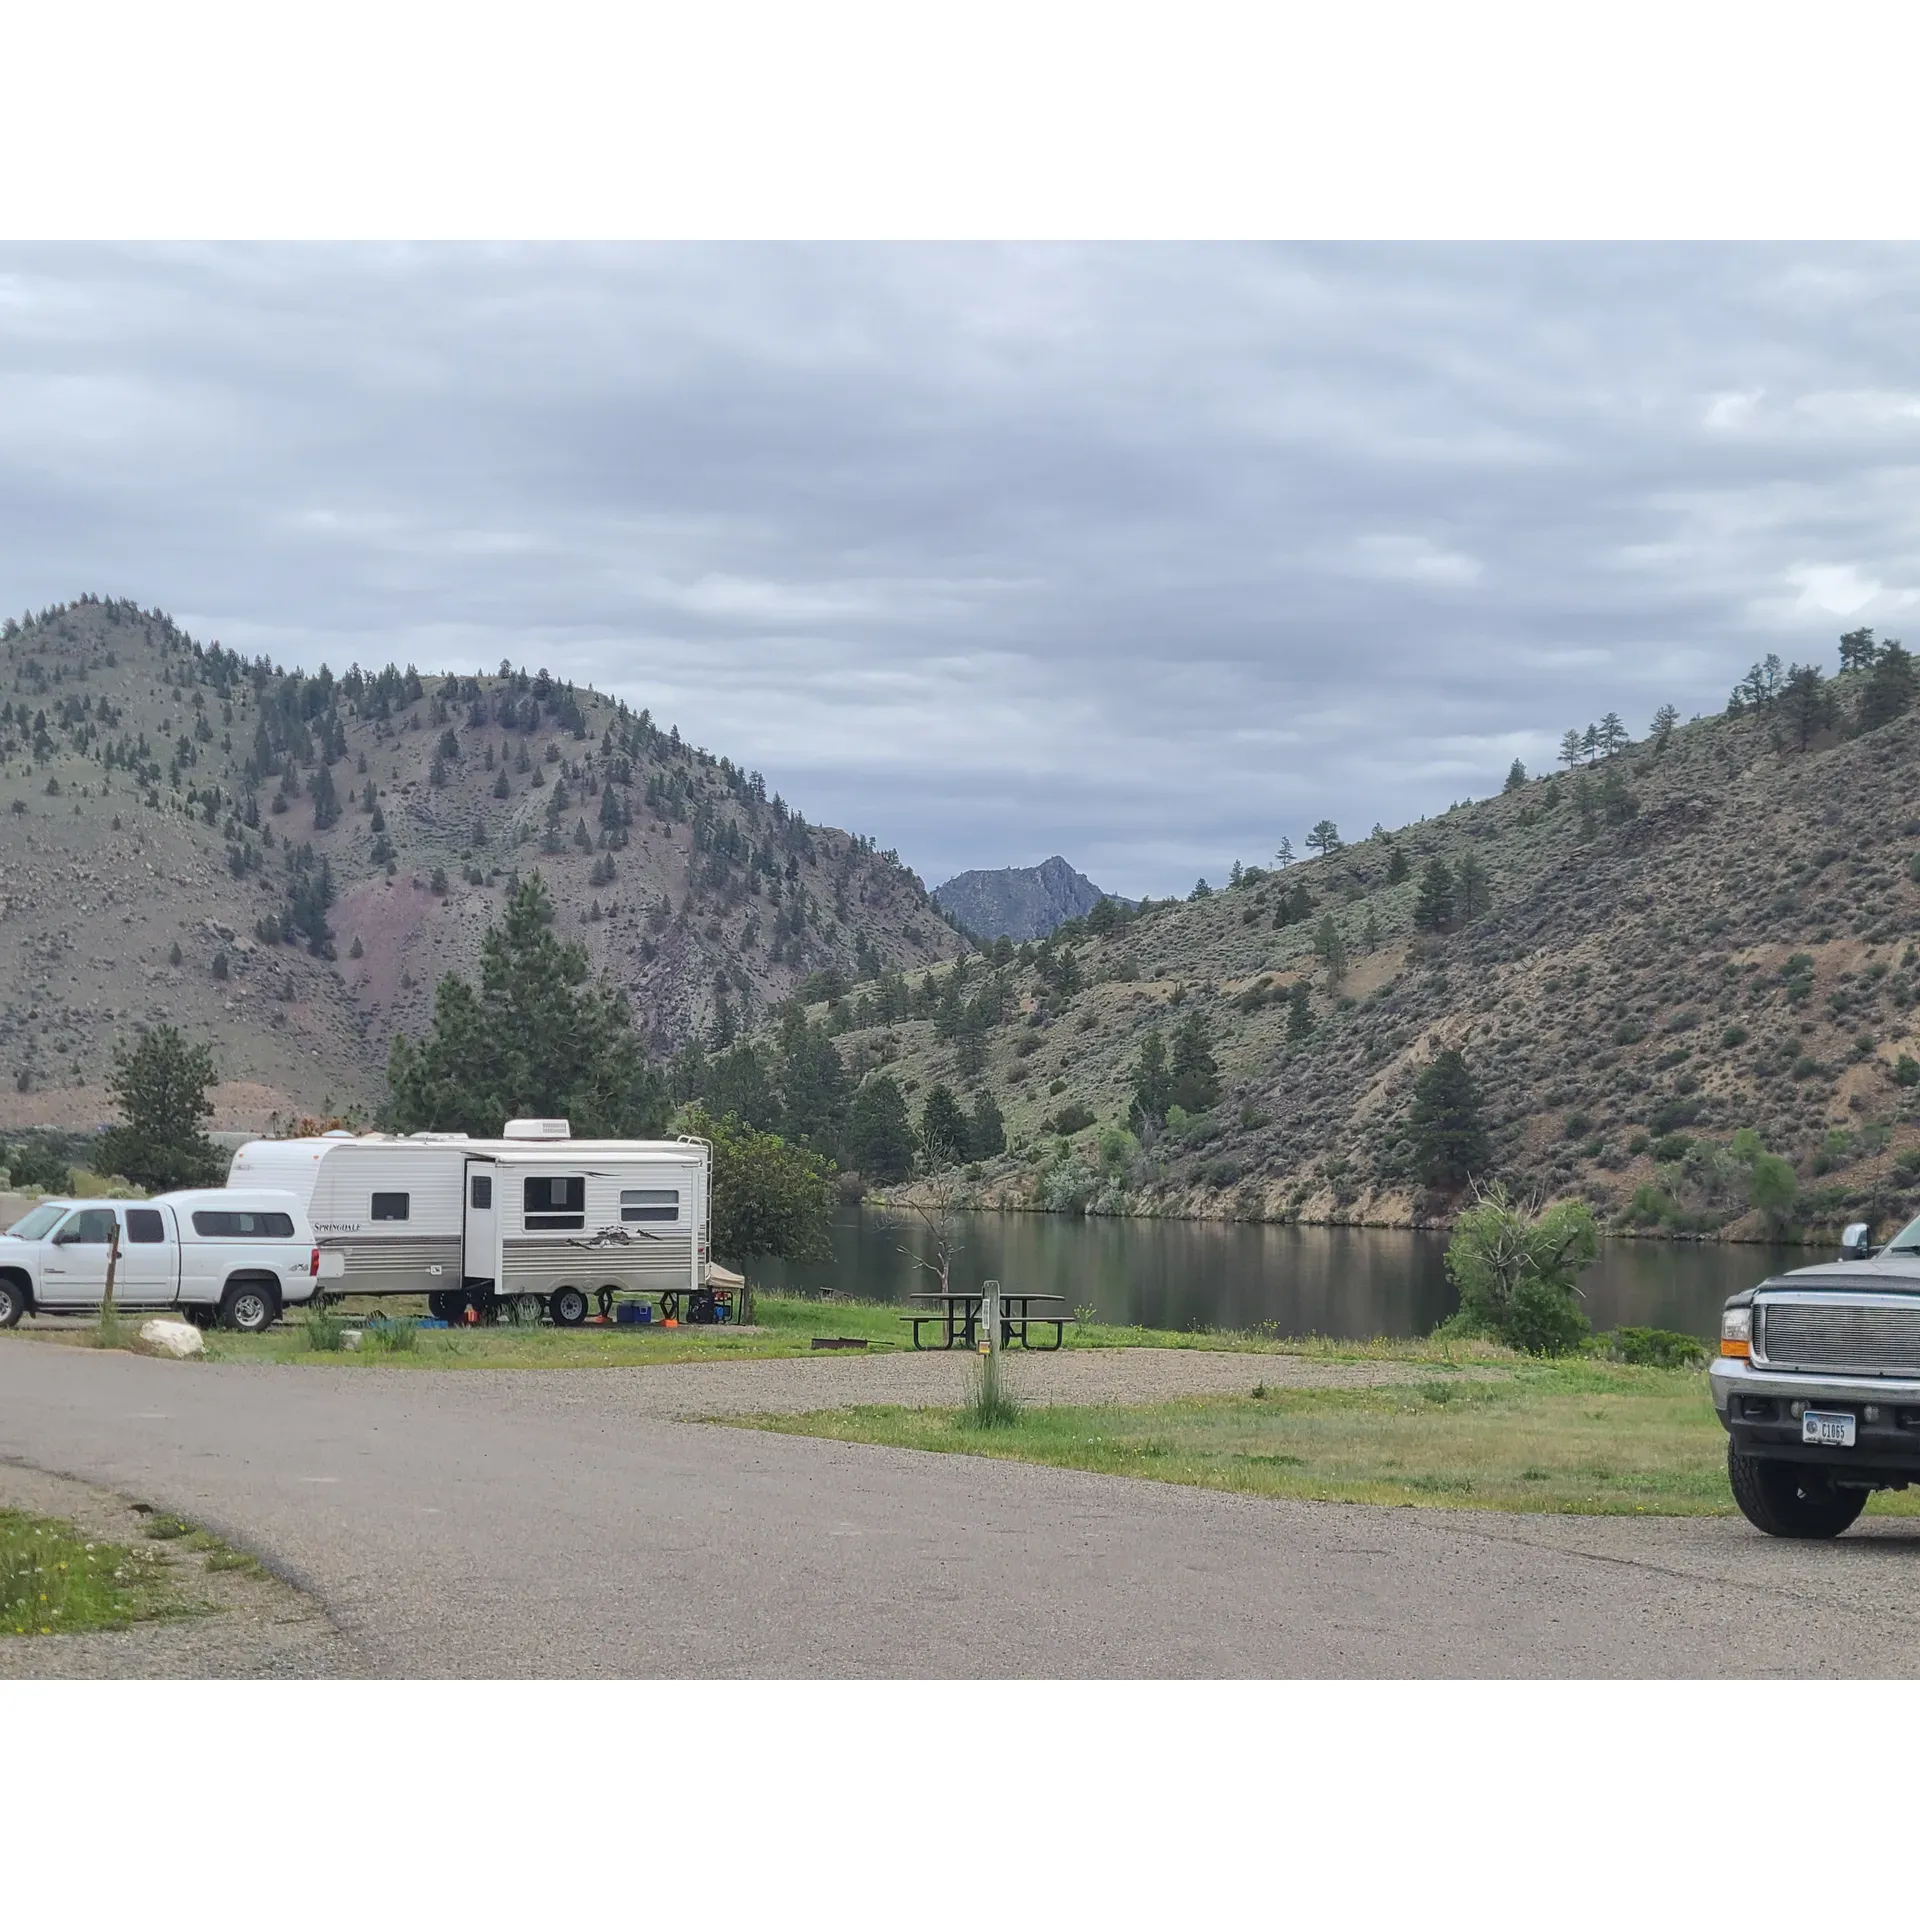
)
(499, 1525)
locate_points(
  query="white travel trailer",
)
(535, 1222)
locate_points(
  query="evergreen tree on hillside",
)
(1196, 1074)
(986, 1128)
(813, 1083)
(1516, 777)
(1433, 906)
(1152, 1081)
(1397, 867)
(1570, 748)
(1324, 838)
(1857, 649)
(1806, 706)
(879, 1133)
(536, 1036)
(161, 1138)
(326, 802)
(1890, 686)
(1445, 1125)
(943, 1128)
(1299, 1012)
(1473, 896)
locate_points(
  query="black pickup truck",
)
(1818, 1386)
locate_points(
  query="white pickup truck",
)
(219, 1255)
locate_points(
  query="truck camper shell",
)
(532, 1214)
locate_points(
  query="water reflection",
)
(1348, 1282)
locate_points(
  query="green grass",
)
(54, 1580)
(784, 1325)
(1575, 1436)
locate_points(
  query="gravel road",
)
(494, 1524)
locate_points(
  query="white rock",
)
(173, 1339)
(350, 1340)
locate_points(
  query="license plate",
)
(1827, 1429)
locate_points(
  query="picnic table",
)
(959, 1317)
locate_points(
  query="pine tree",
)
(943, 1128)
(986, 1128)
(1613, 734)
(161, 1138)
(1806, 706)
(1152, 1081)
(1196, 1074)
(1433, 907)
(1570, 748)
(1324, 838)
(1890, 686)
(1472, 889)
(1516, 777)
(1283, 859)
(879, 1134)
(1331, 948)
(1857, 649)
(1299, 1011)
(1445, 1125)
(1397, 868)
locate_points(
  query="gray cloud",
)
(1146, 555)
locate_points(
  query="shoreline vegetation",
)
(903, 1200)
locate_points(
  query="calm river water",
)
(1348, 1282)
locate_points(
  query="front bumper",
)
(1754, 1406)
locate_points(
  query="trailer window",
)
(650, 1203)
(392, 1206)
(556, 1205)
(144, 1228)
(482, 1192)
(243, 1226)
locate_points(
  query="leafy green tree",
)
(161, 1138)
(943, 1128)
(1433, 906)
(1324, 837)
(1516, 777)
(1771, 1186)
(879, 1133)
(1196, 1074)
(1890, 686)
(1445, 1125)
(771, 1200)
(1152, 1080)
(537, 1036)
(986, 1128)
(1517, 1270)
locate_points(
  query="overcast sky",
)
(1142, 555)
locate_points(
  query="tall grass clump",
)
(324, 1329)
(991, 1402)
(112, 1330)
(392, 1336)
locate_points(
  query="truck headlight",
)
(1736, 1333)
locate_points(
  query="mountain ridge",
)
(171, 813)
(1018, 903)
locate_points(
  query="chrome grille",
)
(1843, 1336)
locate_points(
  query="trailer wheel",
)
(568, 1305)
(444, 1306)
(250, 1306)
(13, 1303)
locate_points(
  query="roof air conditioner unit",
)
(537, 1130)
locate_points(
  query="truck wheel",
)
(249, 1307)
(1792, 1503)
(568, 1305)
(13, 1303)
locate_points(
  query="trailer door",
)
(480, 1255)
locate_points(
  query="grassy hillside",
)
(1704, 933)
(158, 798)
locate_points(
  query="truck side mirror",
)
(1856, 1243)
